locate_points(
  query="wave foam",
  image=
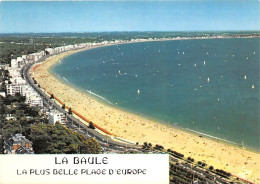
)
(210, 136)
(100, 97)
(65, 79)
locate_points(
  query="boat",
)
(195, 65)
(119, 72)
(253, 86)
(208, 79)
(204, 63)
(245, 77)
(138, 91)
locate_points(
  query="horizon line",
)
(81, 32)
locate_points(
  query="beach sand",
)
(135, 128)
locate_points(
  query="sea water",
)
(206, 85)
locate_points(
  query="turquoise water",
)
(203, 85)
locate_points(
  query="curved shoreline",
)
(103, 100)
(215, 153)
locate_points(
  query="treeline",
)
(10, 51)
(181, 175)
(46, 138)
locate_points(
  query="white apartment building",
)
(2, 93)
(49, 50)
(34, 100)
(14, 63)
(56, 116)
(18, 80)
(24, 57)
(12, 89)
(14, 72)
(27, 91)
(36, 56)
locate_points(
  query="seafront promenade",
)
(134, 128)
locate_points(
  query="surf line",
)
(99, 97)
(65, 79)
(206, 135)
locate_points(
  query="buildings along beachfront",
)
(17, 84)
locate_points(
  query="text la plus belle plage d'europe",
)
(74, 161)
(81, 161)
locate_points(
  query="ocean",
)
(206, 85)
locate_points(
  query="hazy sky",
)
(89, 16)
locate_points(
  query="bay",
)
(204, 85)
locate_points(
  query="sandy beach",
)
(135, 128)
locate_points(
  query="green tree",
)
(211, 168)
(55, 139)
(3, 87)
(89, 146)
(91, 125)
(70, 111)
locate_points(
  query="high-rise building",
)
(56, 116)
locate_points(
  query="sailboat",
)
(138, 91)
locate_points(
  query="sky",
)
(104, 16)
